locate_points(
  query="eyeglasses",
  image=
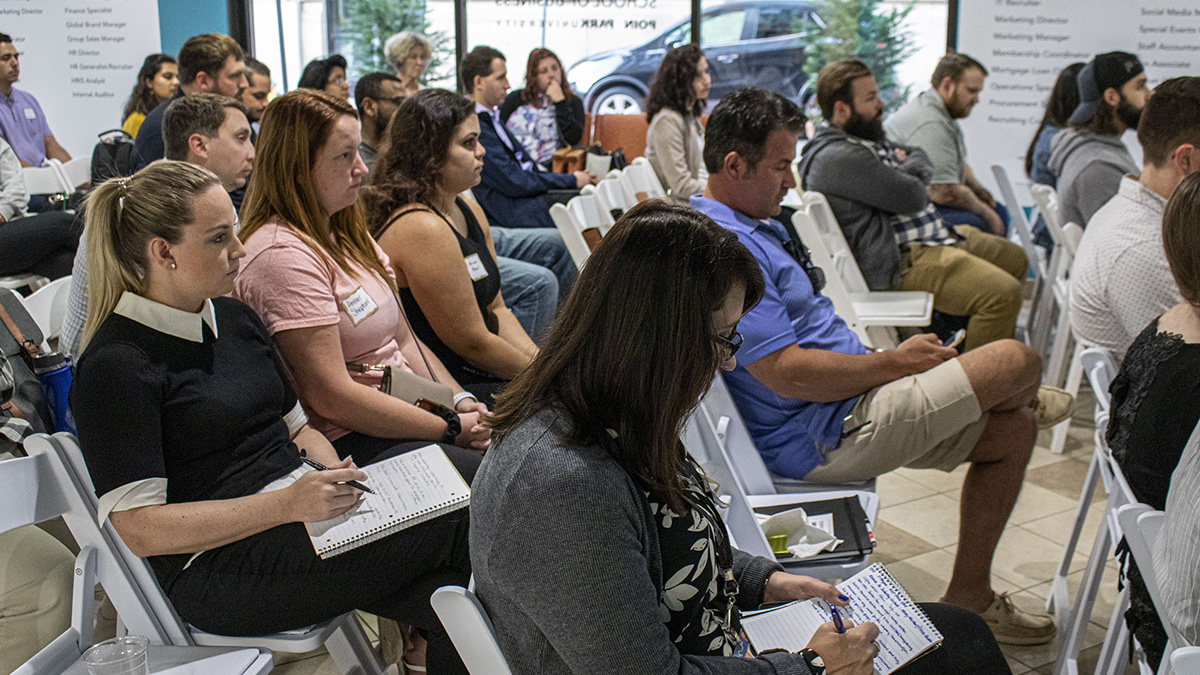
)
(731, 344)
(801, 254)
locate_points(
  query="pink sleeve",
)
(290, 286)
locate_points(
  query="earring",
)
(172, 265)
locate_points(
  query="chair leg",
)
(1057, 600)
(1059, 439)
(351, 650)
(1116, 638)
(1081, 613)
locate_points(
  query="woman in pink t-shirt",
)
(326, 292)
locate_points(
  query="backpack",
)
(20, 390)
(113, 156)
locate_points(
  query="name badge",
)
(359, 305)
(30, 114)
(475, 267)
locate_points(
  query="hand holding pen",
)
(321, 495)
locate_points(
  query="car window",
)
(722, 28)
(777, 21)
(681, 35)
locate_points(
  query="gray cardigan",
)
(566, 560)
(673, 150)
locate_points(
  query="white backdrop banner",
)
(1026, 43)
(80, 59)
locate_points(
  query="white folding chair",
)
(470, 629)
(140, 601)
(572, 236)
(1186, 661)
(1065, 342)
(1102, 469)
(644, 179)
(611, 202)
(1034, 253)
(74, 173)
(44, 180)
(35, 492)
(48, 305)
(1141, 525)
(16, 281)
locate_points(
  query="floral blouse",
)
(536, 129)
(693, 604)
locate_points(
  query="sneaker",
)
(1051, 406)
(1013, 626)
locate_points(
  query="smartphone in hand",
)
(956, 339)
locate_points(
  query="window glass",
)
(722, 28)
(775, 22)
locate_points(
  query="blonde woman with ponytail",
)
(199, 467)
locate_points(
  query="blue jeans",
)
(536, 273)
(955, 216)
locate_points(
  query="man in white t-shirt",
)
(1120, 280)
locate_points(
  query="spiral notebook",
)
(410, 489)
(905, 631)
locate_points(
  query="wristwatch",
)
(453, 423)
(815, 663)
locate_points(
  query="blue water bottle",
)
(54, 373)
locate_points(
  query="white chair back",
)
(611, 202)
(16, 281)
(641, 177)
(1186, 661)
(1101, 370)
(48, 305)
(1072, 234)
(583, 210)
(572, 235)
(1141, 525)
(470, 629)
(835, 241)
(1046, 198)
(43, 180)
(74, 173)
(1020, 224)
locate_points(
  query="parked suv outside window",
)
(747, 44)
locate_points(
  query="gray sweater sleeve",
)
(851, 171)
(1096, 183)
(569, 562)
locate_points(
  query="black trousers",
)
(42, 244)
(969, 646)
(274, 580)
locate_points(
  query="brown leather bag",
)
(568, 160)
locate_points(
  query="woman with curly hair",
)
(545, 115)
(408, 54)
(157, 81)
(328, 75)
(440, 245)
(673, 141)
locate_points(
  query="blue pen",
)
(837, 619)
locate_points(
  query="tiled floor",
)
(918, 525)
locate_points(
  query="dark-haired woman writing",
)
(596, 542)
(440, 244)
(674, 139)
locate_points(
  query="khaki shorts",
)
(926, 421)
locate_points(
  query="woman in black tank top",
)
(440, 244)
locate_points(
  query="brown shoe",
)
(1013, 626)
(1051, 406)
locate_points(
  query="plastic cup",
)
(118, 656)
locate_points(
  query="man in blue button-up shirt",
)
(823, 407)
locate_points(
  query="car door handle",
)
(728, 58)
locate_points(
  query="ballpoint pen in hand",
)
(837, 619)
(321, 467)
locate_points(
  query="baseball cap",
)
(1112, 69)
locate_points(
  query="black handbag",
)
(18, 346)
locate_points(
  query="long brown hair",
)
(672, 87)
(143, 100)
(530, 94)
(1181, 237)
(632, 349)
(294, 127)
(414, 151)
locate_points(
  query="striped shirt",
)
(1177, 549)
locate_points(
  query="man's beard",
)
(866, 129)
(380, 125)
(1128, 113)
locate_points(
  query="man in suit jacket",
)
(511, 188)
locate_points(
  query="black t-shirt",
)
(207, 416)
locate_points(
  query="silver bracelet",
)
(462, 396)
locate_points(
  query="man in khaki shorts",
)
(823, 407)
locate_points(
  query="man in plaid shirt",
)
(878, 191)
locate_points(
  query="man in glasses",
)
(823, 407)
(377, 96)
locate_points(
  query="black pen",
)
(321, 467)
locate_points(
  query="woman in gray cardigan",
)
(673, 108)
(595, 540)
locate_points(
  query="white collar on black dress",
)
(165, 319)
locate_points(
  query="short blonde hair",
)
(397, 48)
